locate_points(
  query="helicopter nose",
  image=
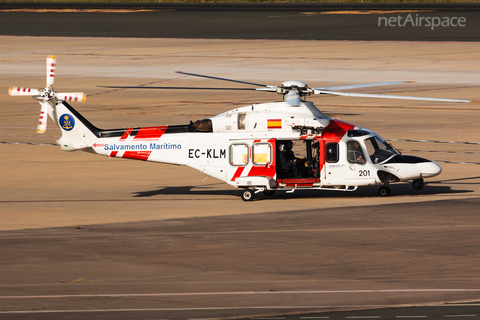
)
(429, 169)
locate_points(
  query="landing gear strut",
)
(417, 184)
(384, 191)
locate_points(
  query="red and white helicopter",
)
(262, 147)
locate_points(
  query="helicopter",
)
(284, 145)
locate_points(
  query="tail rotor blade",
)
(20, 91)
(74, 96)
(42, 120)
(51, 63)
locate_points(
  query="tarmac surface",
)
(86, 236)
(293, 21)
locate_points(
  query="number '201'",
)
(364, 173)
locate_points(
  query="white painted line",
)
(363, 317)
(459, 305)
(410, 317)
(434, 141)
(173, 294)
(172, 309)
(458, 315)
(314, 317)
(457, 162)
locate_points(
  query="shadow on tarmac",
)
(404, 189)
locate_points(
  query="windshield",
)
(379, 150)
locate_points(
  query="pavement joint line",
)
(176, 309)
(440, 151)
(120, 295)
(434, 141)
(460, 305)
(29, 143)
(455, 162)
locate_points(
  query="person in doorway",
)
(288, 160)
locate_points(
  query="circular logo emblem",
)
(67, 122)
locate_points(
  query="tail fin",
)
(77, 132)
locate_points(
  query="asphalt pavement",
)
(268, 266)
(393, 22)
(276, 263)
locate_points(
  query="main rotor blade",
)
(224, 79)
(367, 95)
(181, 88)
(363, 85)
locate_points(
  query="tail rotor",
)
(51, 63)
(47, 96)
(19, 91)
(42, 121)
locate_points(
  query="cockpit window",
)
(378, 150)
(331, 152)
(354, 152)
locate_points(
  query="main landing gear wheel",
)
(384, 191)
(248, 195)
(417, 184)
(268, 192)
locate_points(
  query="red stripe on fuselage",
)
(268, 171)
(336, 129)
(126, 134)
(238, 173)
(139, 155)
(150, 133)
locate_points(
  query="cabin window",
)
(238, 154)
(204, 125)
(262, 153)
(241, 120)
(331, 152)
(354, 152)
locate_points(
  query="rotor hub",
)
(301, 87)
(47, 93)
(294, 84)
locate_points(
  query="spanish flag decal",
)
(274, 124)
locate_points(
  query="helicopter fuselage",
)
(246, 148)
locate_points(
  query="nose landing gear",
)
(417, 184)
(384, 191)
